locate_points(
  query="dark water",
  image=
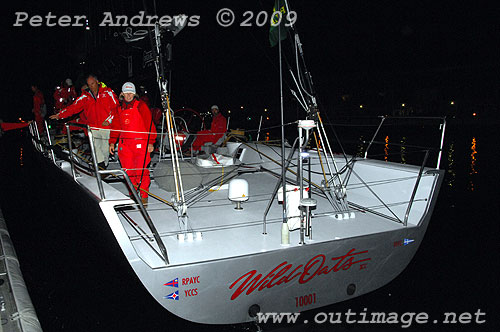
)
(79, 281)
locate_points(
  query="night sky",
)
(376, 53)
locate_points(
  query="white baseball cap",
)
(128, 87)
(214, 106)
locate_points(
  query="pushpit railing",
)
(422, 166)
(128, 183)
(442, 128)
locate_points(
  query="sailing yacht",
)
(252, 227)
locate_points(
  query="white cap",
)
(214, 106)
(128, 87)
(69, 82)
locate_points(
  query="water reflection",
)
(403, 150)
(473, 160)
(386, 148)
(361, 146)
(21, 161)
(460, 157)
(452, 174)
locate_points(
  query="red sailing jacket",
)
(96, 110)
(219, 124)
(68, 94)
(58, 100)
(38, 102)
(134, 119)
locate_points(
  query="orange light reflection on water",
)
(21, 162)
(386, 148)
(473, 160)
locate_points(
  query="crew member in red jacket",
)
(134, 129)
(217, 130)
(39, 108)
(58, 99)
(68, 92)
(98, 103)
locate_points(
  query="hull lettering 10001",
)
(285, 272)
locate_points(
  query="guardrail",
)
(421, 170)
(442, 127)
(97, 173)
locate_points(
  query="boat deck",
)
(227, 232)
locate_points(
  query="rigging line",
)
(175, 154)
(225, 203)
(404, 203)
(320, 160)
(350, 125)
(300, 89)
(204, 192)
(175, 165)
(265, 52)
(156, 196)
(376, 196)
(302, 102)
(272, 127)
(382, 182)
(339, 142)
(147, 149)
(296, 45)
(322, 128)
(372, 156)
(405, 146)
(334, 132)
(279, 164)
(318, 190)
(266, 195)
(299, 74)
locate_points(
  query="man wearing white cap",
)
(217, 130)
(133, 127)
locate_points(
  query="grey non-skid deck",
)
(227, 232)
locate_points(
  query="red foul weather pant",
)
(39, 122)
(205, 136)
(131, 156)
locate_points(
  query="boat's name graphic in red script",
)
(285, 272)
